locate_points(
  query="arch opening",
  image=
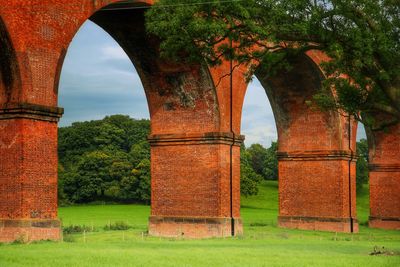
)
(98, 82)
(181, 102)
(259, 165)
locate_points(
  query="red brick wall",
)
(182, 100)
(192, 175)
(385, 178)
(191, 183)
(28, 169)
(316, 171)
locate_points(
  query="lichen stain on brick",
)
(189, 88)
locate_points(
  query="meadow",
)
(263, 243)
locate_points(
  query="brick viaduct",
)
(195, 133)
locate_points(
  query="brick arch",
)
(189, 148)
(315, 154)
(195, 139)
(177, 95)
(289, 92)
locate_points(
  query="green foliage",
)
(249, 180)
(362, 164)
(361, 37)
(256, 163)
(270, 167)
(263, 160)
(137, 185)
(105, 160)
(258, 155)
(77, 229)
(117, 226)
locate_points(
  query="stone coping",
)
(30, 111)
(192, 220)
(377, 167)
(28, 223)
(316, 219)
(226, 138)
(317, 155)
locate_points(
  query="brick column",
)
(28, 172)
(384, 178)
(195, 185)
(384, 183)
(317, 190)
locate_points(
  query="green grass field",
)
(263, 244)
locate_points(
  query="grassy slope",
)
(263, 244)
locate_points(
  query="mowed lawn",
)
(263, 244)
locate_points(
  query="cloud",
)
(262, 134)
(113, 52)
(98, 79)
(258, 122)
(361, 132)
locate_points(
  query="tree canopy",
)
(104, 160)
(360, 37)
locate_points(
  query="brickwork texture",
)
(195, 133)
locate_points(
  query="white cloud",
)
(113, 52)
(258, 124)
(262, 134)
(361, 132)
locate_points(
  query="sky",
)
(98, 79)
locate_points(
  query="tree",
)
(263, 161)
(362, 173)
(100, 160)
(93, 176)
(61, 195)
(270, 170)
(249, 179)
(139, 152)
(109, 135)
(136, 186)
(258, 155)
(361, 38)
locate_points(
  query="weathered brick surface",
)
(194, 227)
(316, 153)
(195, 128)
(314, 193)
(27, 230)
(191, 180)
(28, 178)
(28, 169)
(182, 100)
(385, 178)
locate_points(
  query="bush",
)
(76, 229)
(117, 226)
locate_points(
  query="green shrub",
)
(76, 229)
(117, 226)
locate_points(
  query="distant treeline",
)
(109, 160)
